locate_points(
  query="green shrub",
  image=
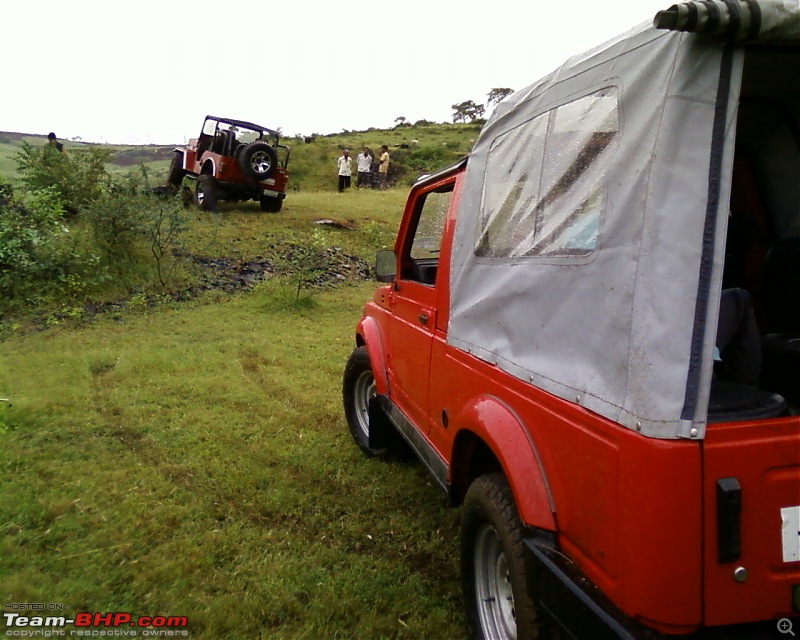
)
(124, 236)
(300, 265)
(29, 225)
(130, 226)
(78, 177)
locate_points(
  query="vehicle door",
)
(414, 302)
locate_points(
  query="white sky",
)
(148, 71)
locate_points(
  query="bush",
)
(78, 177)
(128, 222)
(301, 265)
(121, 230)
(30, 225)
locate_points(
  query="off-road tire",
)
(258, 160)
(492, 564)
(358, 388)
(270, 204)
(204, 193)
(176, 171)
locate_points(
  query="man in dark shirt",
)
(54, 143)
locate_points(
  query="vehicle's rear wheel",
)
(492, 564)
(258, 160)
(204, 195)
(270, 204)
(176, 171)
(358, 388)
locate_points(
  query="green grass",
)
(373, 215)
(193, 459)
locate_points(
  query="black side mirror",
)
(385, 263)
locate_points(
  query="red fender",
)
(502, 431)
(371, 335)
(183, 158)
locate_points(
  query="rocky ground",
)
(324, 268)
(321, 269)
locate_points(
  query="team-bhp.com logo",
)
(113, 624)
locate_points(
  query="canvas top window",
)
(544, 186)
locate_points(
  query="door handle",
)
(423, 318)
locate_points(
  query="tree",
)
(496, 95)
(400, 120)
(467, 111)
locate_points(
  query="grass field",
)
(192, 459)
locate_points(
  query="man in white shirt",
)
(364, 167)
(345, 170)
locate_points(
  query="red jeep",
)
(547, 341)
(233, 160)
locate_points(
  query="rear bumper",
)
(580, 610)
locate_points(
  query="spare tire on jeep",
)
(258, 160)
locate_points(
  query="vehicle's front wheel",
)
(492, 564)
(270, 204)
(358, 388)
(176, 171)
(204, 195)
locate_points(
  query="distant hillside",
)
(414, 150)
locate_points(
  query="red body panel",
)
(765, 459)
(628, 509)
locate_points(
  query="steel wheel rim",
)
(364, 391)
(201, 196)
(493, 594)
(261, 162)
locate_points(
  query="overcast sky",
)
(147, 71)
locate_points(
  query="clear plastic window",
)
(545, 181)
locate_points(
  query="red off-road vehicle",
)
(233, 160)
(550, 339)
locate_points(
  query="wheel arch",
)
(209, 167)
(370, 335)
(182, 154)
(491, 437)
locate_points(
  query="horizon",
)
(284, 136)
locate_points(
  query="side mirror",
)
(385, 262)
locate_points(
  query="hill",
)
(415, 149)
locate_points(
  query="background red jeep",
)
(233, 160)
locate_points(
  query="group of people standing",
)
(364, 162)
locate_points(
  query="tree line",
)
(470, 111)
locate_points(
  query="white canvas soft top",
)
(588, 249)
